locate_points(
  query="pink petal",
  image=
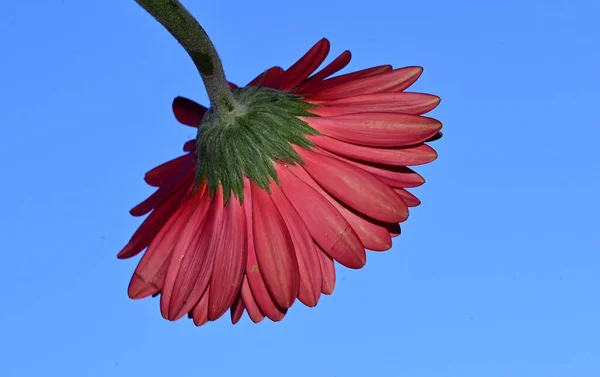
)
(396, 80)
(336, 65)
(152, 224)
(248, 299)
(306, 253)
(253, 273)
(314, 90)
(394, 229)
(355, 187)
(418, 154)
(268, 79)
(149, 276)
(328, 269)
(409, 199)
(192, 259)
(306, 65)
(200, 312)
(274, 249)
(237, 310)
(326, 225)
(394, 176)
(230, 261)
(405, 103)
(188, 112)
(176, 168)
(189, 145)
(376, 129)
(372, 235)
(163, 194)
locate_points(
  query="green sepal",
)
(260, 130)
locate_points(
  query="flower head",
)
(305, 171)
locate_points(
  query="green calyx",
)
(245, 142)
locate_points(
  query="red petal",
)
(232, 85)
(306, 65)
(268, 79)
(237, 310)
(200, 311)
(152, 224)
(405, 103)
(306, 253)
(188, 112)
(176, 168)
(309, 90)
(372, 235)
(274, 249)
(230, 261)
(336, 65)
(192, 259)
(418, 154)
(409, 199)
(248, 299)
(326, 225)
(396, 80)
(355, 187)
(163, 194)
(394, 176)
(328, 269)
(376, 129)
(149, 275)
(435, 137)
(394, 229)
(189, 145)
(255, 280)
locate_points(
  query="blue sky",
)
(496, 274)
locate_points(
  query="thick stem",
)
(188, 32)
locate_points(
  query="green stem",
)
(188, 32)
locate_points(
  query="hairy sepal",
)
(245, 143)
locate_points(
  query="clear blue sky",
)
(496, 274)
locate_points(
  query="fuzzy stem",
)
(188, 32)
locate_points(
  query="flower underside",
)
(261, 129)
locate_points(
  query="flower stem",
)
(188, 32)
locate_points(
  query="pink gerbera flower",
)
(304, 170)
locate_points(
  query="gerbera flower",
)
(305, 171)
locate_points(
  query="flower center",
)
(246, 142)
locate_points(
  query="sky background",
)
(496, 273)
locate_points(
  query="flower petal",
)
(176, 168)
(328, 269)
(253, 274)
(306, 253)
(355, 187)
(268, 79)
(402, 102)
(274, 249)
(377, 129)
(237, 310)
(317, 87)
(200, 312)
(306, 65)
(394, 176)
(336, 65)
(418, 154)
(163, 194)
(326, 225)
(396, 80)
(192, 259)
(152, 224)
(149, 276)
(410, 199)
(188, 112)
(230, 261)
(254, 312)
(372, 235)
